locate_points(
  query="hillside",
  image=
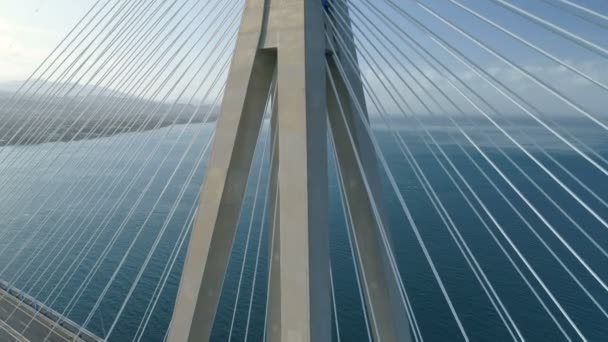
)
(65, 118)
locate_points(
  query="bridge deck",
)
(11, 329)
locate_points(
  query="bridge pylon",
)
(287, 38)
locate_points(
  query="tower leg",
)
(386, 312)
(287, 35)
(273, 327)
(222, 193)
(302, 175)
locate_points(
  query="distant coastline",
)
(28, 122)
(93, 115)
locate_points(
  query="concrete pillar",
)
(222, 193)
(384, 304)
(304, 239)
(273, 328)
(287, 35)
(383, 298)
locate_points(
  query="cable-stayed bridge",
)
(307, 170)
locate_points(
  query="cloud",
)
(23, 48)
(564, 81)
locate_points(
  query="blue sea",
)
(61, 205)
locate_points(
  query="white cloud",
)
(565, 81)
(23, 48)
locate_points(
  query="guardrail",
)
(64, 322)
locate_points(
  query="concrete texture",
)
(304, 240)
(384, 300)
(225, 182)
(287, 36)
(379, 282)
(273, 328)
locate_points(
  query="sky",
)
(30, 29)
(540, 66)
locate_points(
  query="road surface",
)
(12, 326)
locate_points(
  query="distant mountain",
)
(42, 88)
(91, 114)
(8, 87)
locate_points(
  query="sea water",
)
(46, 207)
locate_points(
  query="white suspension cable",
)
(397, 30)
(167, 220)
(123, 224)
(115, 208)
(354, 247)
(530, 45)
(433, 195)
(69, 83)
(20, 92)
(71, 43)
(584, 9)
(79, 292)
(159, 121)
(164, 67)
(563, 212)
(496, 224)
(192, 116)
(585, 43)
(265, 208)
(37, 165)
(523, 149)
(576, 280)
(160, 286)
(262, 146)
(116, 66)
(402, 203)
(108, 127)
(333, 303)
(487, 77)
(272, 232)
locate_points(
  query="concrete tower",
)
(288, 38)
